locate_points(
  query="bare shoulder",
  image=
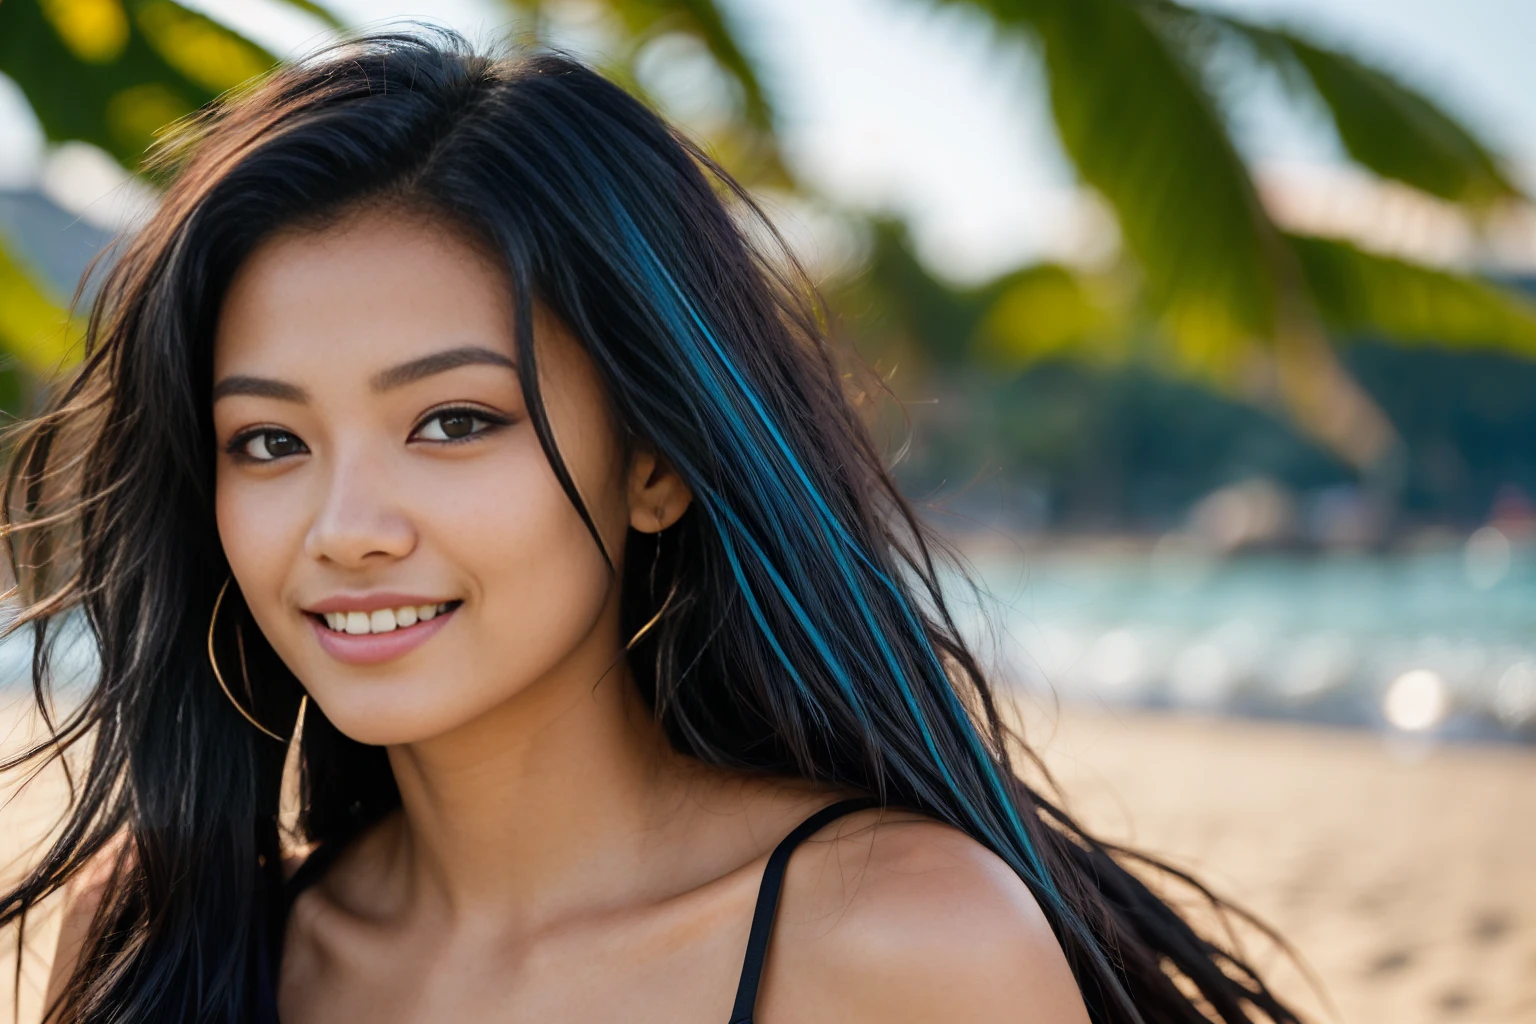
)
(82, 898)
(893, 917)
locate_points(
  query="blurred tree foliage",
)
(112, 73)
(1142, 91)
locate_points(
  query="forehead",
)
(374, 288)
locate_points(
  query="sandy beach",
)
(26, 814)
(1405, 876)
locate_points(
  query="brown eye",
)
(457, 424)
(453, 425)
(268, 445)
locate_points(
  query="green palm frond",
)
(115, 72)
(1360, 293)
(112, 73)
(1135, 90)
(34, 328)
(1141, 129)
(317, 10)
(1385, 125)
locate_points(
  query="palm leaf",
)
(1360, 293)
(117, 79)
(1140, 127)
(1384, 124)
(112, 74)
(34, 329)
(317, 10)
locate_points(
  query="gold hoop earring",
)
(671, 592)
(240, 645)
(654, 619)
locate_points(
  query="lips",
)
(370, 630)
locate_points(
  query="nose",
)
(360, 524)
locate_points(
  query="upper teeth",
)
(384, 620)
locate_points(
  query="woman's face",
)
(382, 498)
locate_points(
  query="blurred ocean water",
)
(72, 661)
(1437, 643)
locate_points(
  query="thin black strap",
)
(768, 901)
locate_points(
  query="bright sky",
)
(889, 105)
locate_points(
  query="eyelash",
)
(238, 444)
(491, 421)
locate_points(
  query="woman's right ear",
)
(658, 497)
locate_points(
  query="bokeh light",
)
(1416, 701)
(1488, 558)
(1515, 697)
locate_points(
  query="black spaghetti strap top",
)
(763, 916)
(768, 902)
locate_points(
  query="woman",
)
(443, 430)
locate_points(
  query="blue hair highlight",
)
(681, 314)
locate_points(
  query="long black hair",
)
(804, 630)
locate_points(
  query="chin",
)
(389, 714)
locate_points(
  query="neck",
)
(547, 804)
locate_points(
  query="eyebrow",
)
(438, 362)
(384, 380)
(259, 387)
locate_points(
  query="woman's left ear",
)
(657, 495)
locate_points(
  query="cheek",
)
(539, 582)
(261, 529)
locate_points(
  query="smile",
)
(359, 637)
